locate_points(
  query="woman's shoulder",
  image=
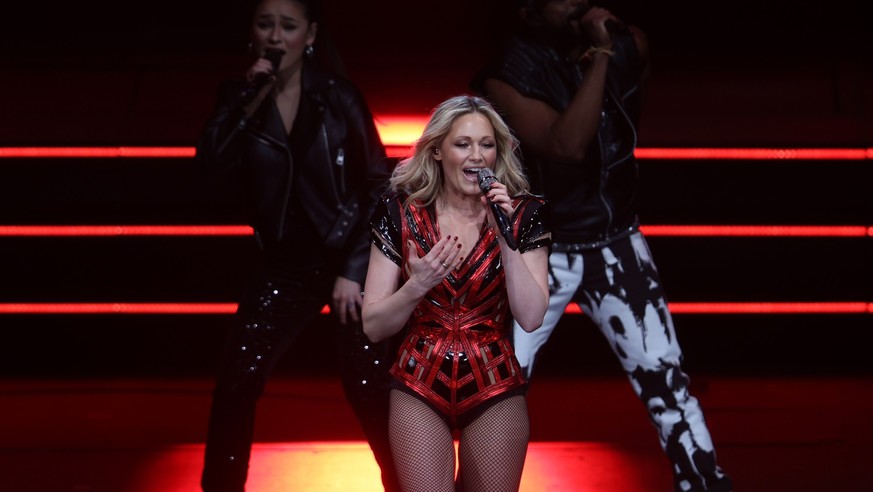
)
(532, 208)
(529, 199)
(386, 220)
(534, 216)
(393, 200)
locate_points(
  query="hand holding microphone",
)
(486, 179)
(274, 56)
(599, 24)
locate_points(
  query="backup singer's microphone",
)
(274, 55)
(615, 28)
(486, 179)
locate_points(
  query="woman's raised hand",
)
(429, 270)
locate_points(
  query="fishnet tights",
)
(491, 448)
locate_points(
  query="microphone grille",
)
(275, 56)
(486, 178)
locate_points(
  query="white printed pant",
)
(618, 287)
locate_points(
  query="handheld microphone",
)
(274, 55)
(614, 28)
(486, 179)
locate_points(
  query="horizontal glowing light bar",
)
(96, 152)
(772, 307)
(398, 142)
(760, 308)
(757, 230)
(400, 130)
(244, 230)
(754, 154)
(126, 230)
(118, 308)
(399, 151)
(230, 308)
(399, 133)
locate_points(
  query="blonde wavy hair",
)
(421, 176)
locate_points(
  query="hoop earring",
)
(250, 47)
(309, 51)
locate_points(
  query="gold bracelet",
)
(590, 52)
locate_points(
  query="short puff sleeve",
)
(385, 228)
(534, 223)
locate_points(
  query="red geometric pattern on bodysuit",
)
(456, 353)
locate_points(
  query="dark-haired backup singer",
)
(303, 146)
(570, 85)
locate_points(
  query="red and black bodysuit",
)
(456, 353)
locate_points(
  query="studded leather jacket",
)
(338, 178)
(592, 200)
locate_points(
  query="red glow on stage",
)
(398, 151)
(756, 230)
(117, 308)
(753, 154)
(771, 308)
(244, 230)
(126, 230)
(230, 308)
(399, 136)
(313, 466)
(400, 130)
(760, 308)
(572, 308)
(96, 152)
(399, 133)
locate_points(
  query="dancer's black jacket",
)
(346, 167)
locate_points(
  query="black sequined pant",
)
(275, 310)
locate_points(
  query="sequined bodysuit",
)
(456, 354)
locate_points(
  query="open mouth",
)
(472, 172)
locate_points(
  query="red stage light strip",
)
(97, 152)
(754, 154)
(393, 150)
(761, 308)
(399, 133)
(771, 307)
(127, 230)
(230, 308)
(244, 230)
(118, 308)
(400, 145)
(757, 231)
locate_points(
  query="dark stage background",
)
(768, 74)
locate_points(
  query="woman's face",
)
(469, 146)
(282, 24)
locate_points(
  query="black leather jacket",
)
(339, 180)
(593, 200)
